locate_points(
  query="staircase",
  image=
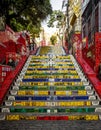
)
(51, 87)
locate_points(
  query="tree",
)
(56, 17)
(53, 39)
(25, 14)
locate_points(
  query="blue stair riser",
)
(55, 80)
(51, 98)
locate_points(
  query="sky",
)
(56, 5)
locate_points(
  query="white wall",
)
(84, 4)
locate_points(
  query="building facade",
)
(74, 25)
(91, 33)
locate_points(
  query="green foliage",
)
(22, 14)
(56, 17)
(34, 30)
(53, 39)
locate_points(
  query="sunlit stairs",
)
(51, 87)
(46, 89)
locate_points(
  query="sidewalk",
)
(91, 75)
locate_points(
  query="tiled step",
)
(72, 117)
(45, 92)
(51, 76)
(17, 98)
(51, 83)
(50, 110)
(50, 103)
(29, 87)
(47, 80)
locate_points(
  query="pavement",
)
(50, 125)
